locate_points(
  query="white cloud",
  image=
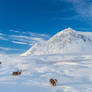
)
(19, 36)
(82, 7)
(16, 31)
(18, 42)
(24, 38)
(28, 38)
(3, 38)
(39, 35)
(1, 34)
(37, 39)
(7, 48)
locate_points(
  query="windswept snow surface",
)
(73, 72)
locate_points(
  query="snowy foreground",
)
(73, 72)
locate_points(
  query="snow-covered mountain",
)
(65, 41)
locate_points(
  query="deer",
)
(53, 82)
(16, 73)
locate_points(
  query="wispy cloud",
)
(82, 7)
(18, 37)
(3, 38)
(7, 48)
(1, 34)
(27, 39)
(80, 10)
(24, 37)
(16, 31)
(39, 35)
(18, 42)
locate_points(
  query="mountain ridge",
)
(65, 41)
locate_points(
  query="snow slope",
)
(66, 41)
(73, 72)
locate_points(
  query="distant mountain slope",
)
(66, 41)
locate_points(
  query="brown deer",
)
(53, 82)
(16, 73)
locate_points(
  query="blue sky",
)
(24, 22)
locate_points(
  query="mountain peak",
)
(65, 41)
(66, 31)
(68, 28)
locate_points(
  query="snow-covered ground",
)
(73, 72)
